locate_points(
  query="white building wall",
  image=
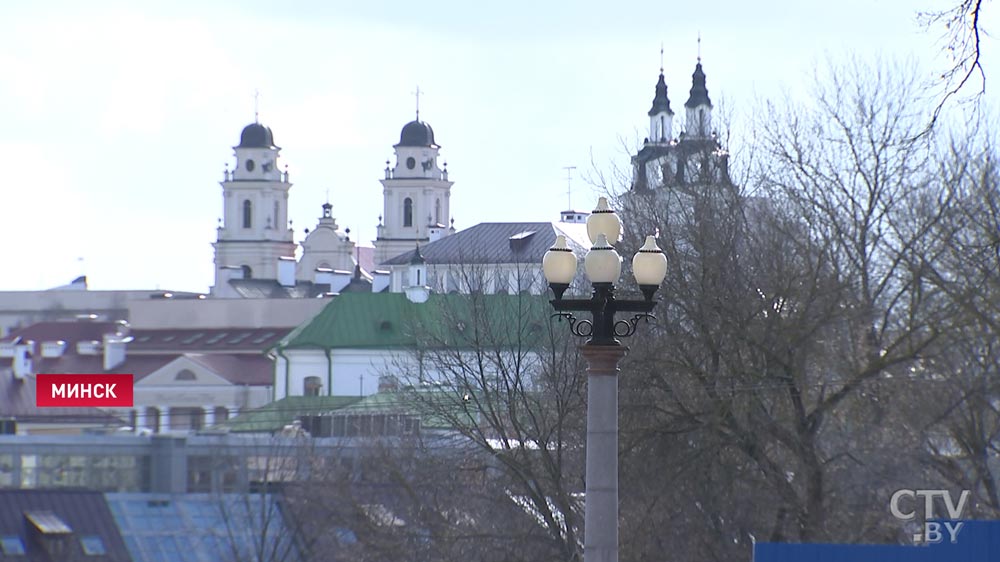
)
(355, 372)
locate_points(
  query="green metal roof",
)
(434, 407)
(390, 320)
(278, 414)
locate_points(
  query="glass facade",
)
(202, 527)
(121, 473)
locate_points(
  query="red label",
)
(78, 391)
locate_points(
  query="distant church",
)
(255, 247)
(692, 157)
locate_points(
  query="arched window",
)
(184, 375)
(407, 212)
(221, 414)
(247, 272)
(437, 211)
(247, 213)
(276, 208)
(311, 386)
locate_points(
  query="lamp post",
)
(603, 351)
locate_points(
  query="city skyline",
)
(119, 120)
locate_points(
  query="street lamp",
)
(603, 351)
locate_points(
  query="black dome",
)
(256, 135)
(416, 133)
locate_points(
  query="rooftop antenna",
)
(699, 47)
(569, 186)
(256, 106)
(416, 94)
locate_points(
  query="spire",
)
(417, 258)
(660, 100)
(699, 93)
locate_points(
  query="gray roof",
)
(84, 514)
(499, 242)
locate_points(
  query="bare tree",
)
(962, 35)
(251, 498)
(960, 408)
(510, 385)
(767, 397)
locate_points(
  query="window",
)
(437, 211)
(92, 545)
(311, 386)
(221, 414)
(185, 375)
(247, 213)
(153, 419)
(11, 546)
(187, 418)
(276, 208)
(247, 272)
(407, 212)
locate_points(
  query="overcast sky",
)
(117, 118)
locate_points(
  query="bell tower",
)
(253, 232)
(416, 194)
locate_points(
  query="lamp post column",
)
(601, 506)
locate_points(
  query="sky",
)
(117, 119)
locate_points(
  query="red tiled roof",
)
(237, 369)
(253, 370)
(69, 332)
(210, 340)
(72, 364)
(17, 397)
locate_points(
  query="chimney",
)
(380, 281)
(337, 279)
(88, 347)
(571, 216)
(323, 276)
(53, 348)
(22, 359)
(114, 351)
(388, 383)
(435, 232)
(340, 279)
(286, 271)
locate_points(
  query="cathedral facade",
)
(255, 250)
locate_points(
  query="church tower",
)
(698, 106)
(661, 117)
(695, 158)
(254, 232)
(416, 194)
